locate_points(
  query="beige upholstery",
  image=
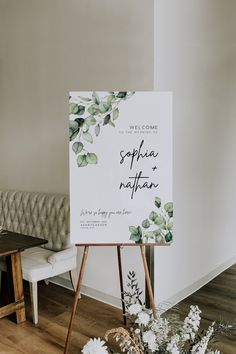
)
(37, 214)
(41, 215)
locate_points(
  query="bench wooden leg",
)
(34, 301)
(12, 298)
(18, 285)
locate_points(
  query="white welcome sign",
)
(121, 167)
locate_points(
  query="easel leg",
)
(121, 284)
(149, 251)
(148, 280)
(76, 298)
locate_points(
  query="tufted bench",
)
(45, 216)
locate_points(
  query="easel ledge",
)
(82, 269)
(121, 244)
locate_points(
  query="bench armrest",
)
(69, 252)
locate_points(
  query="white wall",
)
(51, 47)
(196, 58)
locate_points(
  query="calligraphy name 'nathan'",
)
(138, 181)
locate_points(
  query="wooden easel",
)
(82, 270)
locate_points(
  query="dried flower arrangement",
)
(163, 334)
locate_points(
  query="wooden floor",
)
(217, 300)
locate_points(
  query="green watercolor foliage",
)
(87, 116)
(157, 228)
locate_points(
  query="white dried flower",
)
(172, 346)
(191, 323)
(143, 318)
(161, 328)
(153, 347)
(149, 337)
(201, 347)
(134, 309)
(95, 346)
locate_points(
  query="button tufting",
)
(37, 214)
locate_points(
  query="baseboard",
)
(101, 296)
(116, 302)
(65, 283)
(86, 290)
(174, 300)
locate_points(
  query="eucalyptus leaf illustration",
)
(80, 121)
(85, 99)
(87, 116)
(73, 135)
(73, 129)
(158, 202)
(121, 94)
(169, 208)
(77, 147)
(76, 109)
(158, 227)
(157, 232)
(95, 97)
(91, 158)
(111, 123)
(159, 220)
(111, 98)
(146, 224)
(134, 230)
(90, 120)
(136, 233)
(73, 125)
(97, 129)
(153, 215)
(169, 226)
(107, 119)
(94, 109)
(85, 127)
(169, 237)
(73, 108)
(82, 161)
(88, 137)
(135, 238)
(104, 107)
(115, 114)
